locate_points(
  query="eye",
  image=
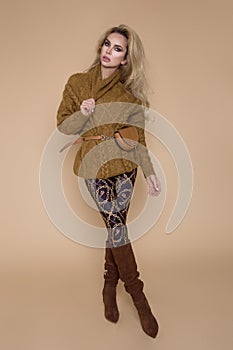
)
(118, 49)
(106, 43)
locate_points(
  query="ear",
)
(123, 62)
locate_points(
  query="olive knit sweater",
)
(115, 107)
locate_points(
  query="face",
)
(113, 51)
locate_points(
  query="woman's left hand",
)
(154, 185)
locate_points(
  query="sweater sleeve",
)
(137, 118)
(70, 120)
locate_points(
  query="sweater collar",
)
(99, 86)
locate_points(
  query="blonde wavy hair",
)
(132, 74)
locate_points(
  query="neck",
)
(107, 72)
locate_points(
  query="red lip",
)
(106, 59)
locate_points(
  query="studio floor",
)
(61, 308)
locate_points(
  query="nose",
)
(109, 50)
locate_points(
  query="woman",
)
(112, 93)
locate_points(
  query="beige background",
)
(51, 286)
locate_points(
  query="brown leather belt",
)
(86, 138)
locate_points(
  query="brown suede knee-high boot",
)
(125, 261)
(111, 277)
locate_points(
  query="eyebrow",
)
(115, 44)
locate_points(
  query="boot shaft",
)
(127, 267)
(111, 274)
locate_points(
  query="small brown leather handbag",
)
(127, 138)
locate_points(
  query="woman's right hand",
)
(87, 107)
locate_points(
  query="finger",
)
(86, 107)
(152, 191)
(92, 105)
(89, 106)
(86, 104)
(85, 110)
(155, 192)
(90, 102)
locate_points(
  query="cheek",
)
(119, 55)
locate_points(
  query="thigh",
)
(112, 196)
(124, 190)
(103, 192)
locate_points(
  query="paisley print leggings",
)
(112, 197)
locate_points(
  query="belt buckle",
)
(103, 137)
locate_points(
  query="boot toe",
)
(112, 316)
(151, 329)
